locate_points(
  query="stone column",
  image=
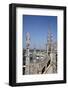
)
(27, 53)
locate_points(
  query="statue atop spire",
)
(27, 40)
(49, 41)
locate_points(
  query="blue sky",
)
(38, 27)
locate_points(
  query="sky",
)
(38, 27)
